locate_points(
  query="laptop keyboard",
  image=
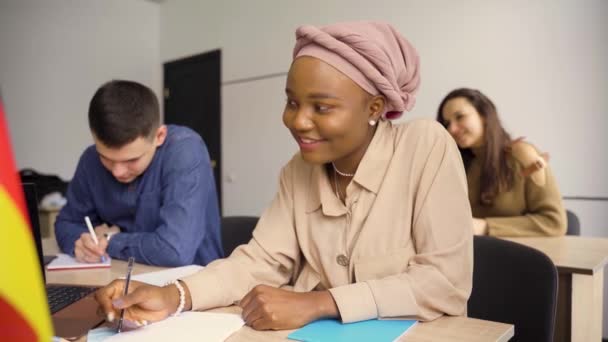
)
(61, 296)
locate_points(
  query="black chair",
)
(574, 225)
(236, 230)
(514, 284)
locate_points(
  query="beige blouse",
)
(400, 247)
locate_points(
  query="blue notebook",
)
(334, 331)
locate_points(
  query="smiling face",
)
(129, 161)
(464, 122)
(328, 114)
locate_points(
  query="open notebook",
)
(66, 262)
(189, 326)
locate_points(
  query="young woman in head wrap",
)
(512, 190)
(371, 219)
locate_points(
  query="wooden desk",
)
(452, 329)
(456, 329)
(580, 262)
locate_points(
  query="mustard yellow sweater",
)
(530, 208)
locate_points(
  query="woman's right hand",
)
(143, 304)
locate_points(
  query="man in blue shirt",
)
(147, 188)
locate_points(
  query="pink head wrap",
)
(373, 54)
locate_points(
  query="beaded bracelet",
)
(182, 297)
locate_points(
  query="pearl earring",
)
(372, 122)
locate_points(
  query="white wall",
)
(54, 55)
(542, 62)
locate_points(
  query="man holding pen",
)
(87, 220)
(147, 188)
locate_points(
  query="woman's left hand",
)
(480, 226)
(269, 308)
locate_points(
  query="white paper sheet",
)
(66, 262)
(160, 278)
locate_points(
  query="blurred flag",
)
(24, 312)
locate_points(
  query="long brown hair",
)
(496, 173)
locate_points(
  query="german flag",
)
(24, 312)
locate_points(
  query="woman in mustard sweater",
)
(512, 190)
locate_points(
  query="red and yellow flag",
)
(24, 313)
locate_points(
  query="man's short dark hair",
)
(122, 111)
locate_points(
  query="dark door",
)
(192, 99)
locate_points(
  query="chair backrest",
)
(236, 230)
(514, 284)
(574, 225)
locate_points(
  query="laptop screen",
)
(31, 201)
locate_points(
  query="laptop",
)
(73, 308)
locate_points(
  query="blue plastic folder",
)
(334, 331)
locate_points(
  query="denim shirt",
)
(168, 216)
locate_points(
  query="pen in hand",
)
(128, 280)
(93, 235)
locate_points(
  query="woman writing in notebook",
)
(370, 220)
(512, 190)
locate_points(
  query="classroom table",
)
(454, 329)
(580, 264)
